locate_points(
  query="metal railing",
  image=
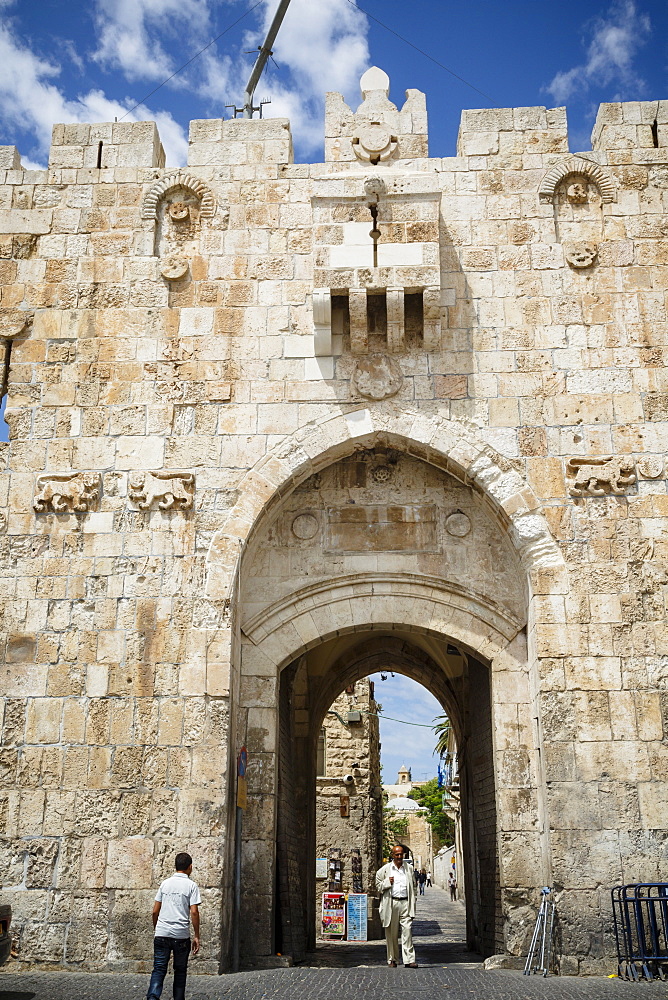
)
(640, 914)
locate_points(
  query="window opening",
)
(655, 133)
(4, 382)
(99, 155)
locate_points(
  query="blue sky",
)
(411, 745)
(74, 61)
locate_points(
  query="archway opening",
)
(382, 552)
(309, 685)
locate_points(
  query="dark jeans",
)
(162, 946)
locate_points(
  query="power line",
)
(423, 53)
(192, 59)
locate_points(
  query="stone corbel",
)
(431, 318)
(395, 320)
(359, 330)
(322, 321)
(66, 493)
(13, 322)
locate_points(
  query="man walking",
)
(396, 884)
(452, 885)
(176, 904)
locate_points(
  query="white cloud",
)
(323, 46)
(31, 101)
(616, 39)
(130, 30)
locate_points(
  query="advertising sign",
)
(334, 914)
(321, 867)
(357, 916)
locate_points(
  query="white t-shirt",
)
(177, 894)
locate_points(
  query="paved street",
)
(339, 971)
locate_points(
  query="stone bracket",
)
(322, 321)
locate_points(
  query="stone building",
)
(419, 834)
(349, 803)
(274, 425)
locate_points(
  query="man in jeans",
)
(176, 904)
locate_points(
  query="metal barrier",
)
(640, 914)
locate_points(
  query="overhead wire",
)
(423, 53)
(192, 58)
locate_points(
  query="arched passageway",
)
(461, 683)
(383, 553)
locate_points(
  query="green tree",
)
(442, 730)
(429, 795)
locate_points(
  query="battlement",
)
(106, 144)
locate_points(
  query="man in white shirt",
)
(176, 904)
(396, 884)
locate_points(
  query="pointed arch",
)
(452, 445)
(576, 165)
(178, 179)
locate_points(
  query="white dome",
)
(404, 805)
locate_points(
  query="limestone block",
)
(9, 158)
(129, 863)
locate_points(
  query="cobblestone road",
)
(339, 972)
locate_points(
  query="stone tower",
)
(275, 426)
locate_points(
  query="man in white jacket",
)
(396, 884)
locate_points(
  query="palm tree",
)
(442, 731)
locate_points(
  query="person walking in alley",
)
(176, 904)
(422, 878)
(395, 882)
(452, 885)
(429, 880)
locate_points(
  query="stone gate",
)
(271, 423)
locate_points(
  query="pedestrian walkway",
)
(342, 971)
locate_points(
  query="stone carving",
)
(377, 377)
(179, 179)
(577, 193)
(581, 254)
(179, 211)
(167, 490)
(305, 526)
(14, 322)
(66, 493)
(651, 466)
(174, 267)
(458, 524)
(374, 143)
(597, 477)
(381, 474)
(578, 168)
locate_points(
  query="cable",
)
(192, 59)
(425, 54)
(421, 725)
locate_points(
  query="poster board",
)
(357, 916)
(334, 914)
(321, 867)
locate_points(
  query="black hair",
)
(183, 861)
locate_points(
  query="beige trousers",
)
(400, 920)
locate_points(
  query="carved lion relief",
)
(165, 490)
(599, 477)
(66, 493)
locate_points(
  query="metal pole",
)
(261, 61)
(236, 914)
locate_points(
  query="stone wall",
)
(188, 348)
(350, 749)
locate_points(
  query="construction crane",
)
(264, 50)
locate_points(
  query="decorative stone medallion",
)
(381, 474)
(374, 142)
(377, 377)
(651, 466)
(305, 526)
(458, 524)
(581, 254)
(174, 267)
(179, 211)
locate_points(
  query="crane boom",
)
(261, 61)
